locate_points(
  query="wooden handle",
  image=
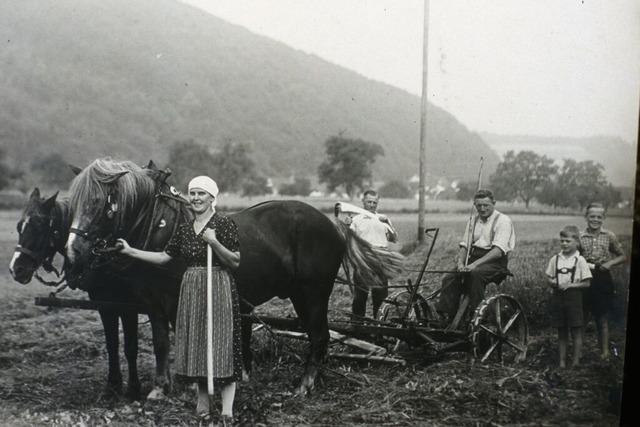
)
(209, 324)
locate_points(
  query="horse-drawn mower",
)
(409, 328)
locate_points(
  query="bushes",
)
(395, 190)
(299, 187)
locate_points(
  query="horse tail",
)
(374, 265)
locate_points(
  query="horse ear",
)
(152, 166)
(75, 169)
(115, 177)
(50, 202)
(35, 194)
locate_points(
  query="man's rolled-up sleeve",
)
(504, 234)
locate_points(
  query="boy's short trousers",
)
(567, 309)
(599, 296)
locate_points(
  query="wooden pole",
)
(423, 126)
(472, 223)
(210, 329)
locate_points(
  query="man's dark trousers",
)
(472, 283)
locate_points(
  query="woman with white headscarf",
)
(190, 243)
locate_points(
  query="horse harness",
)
(145, 221)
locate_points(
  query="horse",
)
(288, 250)
(154, 288)
(43, 229)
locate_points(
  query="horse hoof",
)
(156, 394)
(133, 393)
(112, 391)
(302, 391)
(305, 388)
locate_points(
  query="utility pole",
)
(423, 126)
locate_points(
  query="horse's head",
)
(104, 198)
(36, 237)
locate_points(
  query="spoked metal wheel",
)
(394, 306)
(499, 330)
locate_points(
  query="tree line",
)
(528, 176)
(347, 169)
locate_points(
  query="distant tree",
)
(553, 194)
(8, 174)
(233, 166)
(466, 190)
(188, 159)
(610, 195)
(348, 163)
(522, 175)
(230, 166)
(299, 187)
(395, 189)
(581, 183)
(53, 169)
(255, 185)
(4, 171)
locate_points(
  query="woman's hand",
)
(125, 249)
(209, 235)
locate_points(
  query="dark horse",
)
(43, 229)
(288, 249)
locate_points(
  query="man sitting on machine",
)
(491, 236)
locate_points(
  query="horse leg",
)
(130, 330)
(160, 332)
(312, 311)
(110, 326)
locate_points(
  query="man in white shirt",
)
(378, 231)
(492, 238)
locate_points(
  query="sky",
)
(537, 67)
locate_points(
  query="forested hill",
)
(88, 78)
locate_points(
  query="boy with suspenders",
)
(568, 273)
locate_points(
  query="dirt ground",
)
(54, 368)
(53, 365)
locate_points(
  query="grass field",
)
(11, 200)
(54, 362)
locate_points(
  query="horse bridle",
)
(45, 260)
(147, 215)
(110, 212)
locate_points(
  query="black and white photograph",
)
(324, 213)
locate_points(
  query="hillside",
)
(616, 155)
(127, 79)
